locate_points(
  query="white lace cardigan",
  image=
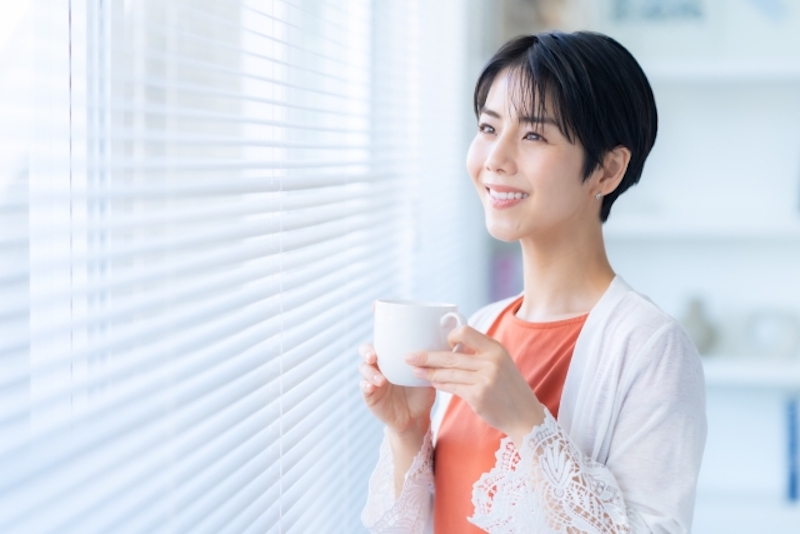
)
(623, 456)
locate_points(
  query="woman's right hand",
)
(403, 409)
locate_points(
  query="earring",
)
(598, 196)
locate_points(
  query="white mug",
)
(403, 327)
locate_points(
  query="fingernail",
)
(412, 358)
(376, 378)
(419, 372)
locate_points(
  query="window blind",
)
(202, 202)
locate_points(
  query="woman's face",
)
(529, 176)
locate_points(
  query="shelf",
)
(709, 71)
(637, 228)
(725, 371)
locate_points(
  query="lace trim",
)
(549, 487)
(410, 513)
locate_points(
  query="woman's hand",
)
(486, 378)
(403, 409)
(406, 412)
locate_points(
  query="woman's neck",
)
(563, 277)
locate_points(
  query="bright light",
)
(11, 12)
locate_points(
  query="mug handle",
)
(460, 321)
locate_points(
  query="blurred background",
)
(712, 232)
(200, 199)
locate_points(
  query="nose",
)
(501, 157)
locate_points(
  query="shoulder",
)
(645, 336)
(635, 313)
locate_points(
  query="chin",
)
(501, 232)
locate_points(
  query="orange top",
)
(466, 445)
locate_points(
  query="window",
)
(207, 198)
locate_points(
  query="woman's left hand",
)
(486, 378)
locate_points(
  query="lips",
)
(505, 197)
(502, 195)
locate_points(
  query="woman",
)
(577, 406)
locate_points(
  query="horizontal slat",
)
(208, 514)
(229, 500)
(187, 368)
(55, 261)
(295, 401)
(297, 485)
(178, 277)
(229, 77)
(211, 306)
(173, 424)
(13, 206)
(190, 352)
(180, 165)
(134, 334)
(353, 24)
(259, 496)
(318, 443)
(232, 480)
(297, 427)
(328, 520)
(169, 218)
(268, 519)
(82, 460)
(240, 100)
(322, 435)
(177, 448)
(184, 31)
(300, 363)
(200, 188)
(172, 138)
(215, 20)
(296, 308)
(129, 279)
(201, 462)
(223, 117)
(292, 229)
(262, 495)
(240, 76)
(175, 221)
(12, 377)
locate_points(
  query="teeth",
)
(507, 196)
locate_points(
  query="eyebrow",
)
(527, 119)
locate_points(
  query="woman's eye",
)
(532, 136)
(485, 128)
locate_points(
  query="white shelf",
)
(725, 371)
(709, 71)
(637, 228)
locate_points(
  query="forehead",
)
(498, 98)
(513, 96)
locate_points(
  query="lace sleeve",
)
(550, 487)
(410, 513)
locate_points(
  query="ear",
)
(610, 174)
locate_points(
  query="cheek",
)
(475, 160)
(553, 172)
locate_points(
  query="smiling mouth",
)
(506, 195)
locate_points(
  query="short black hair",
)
(598, 92)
